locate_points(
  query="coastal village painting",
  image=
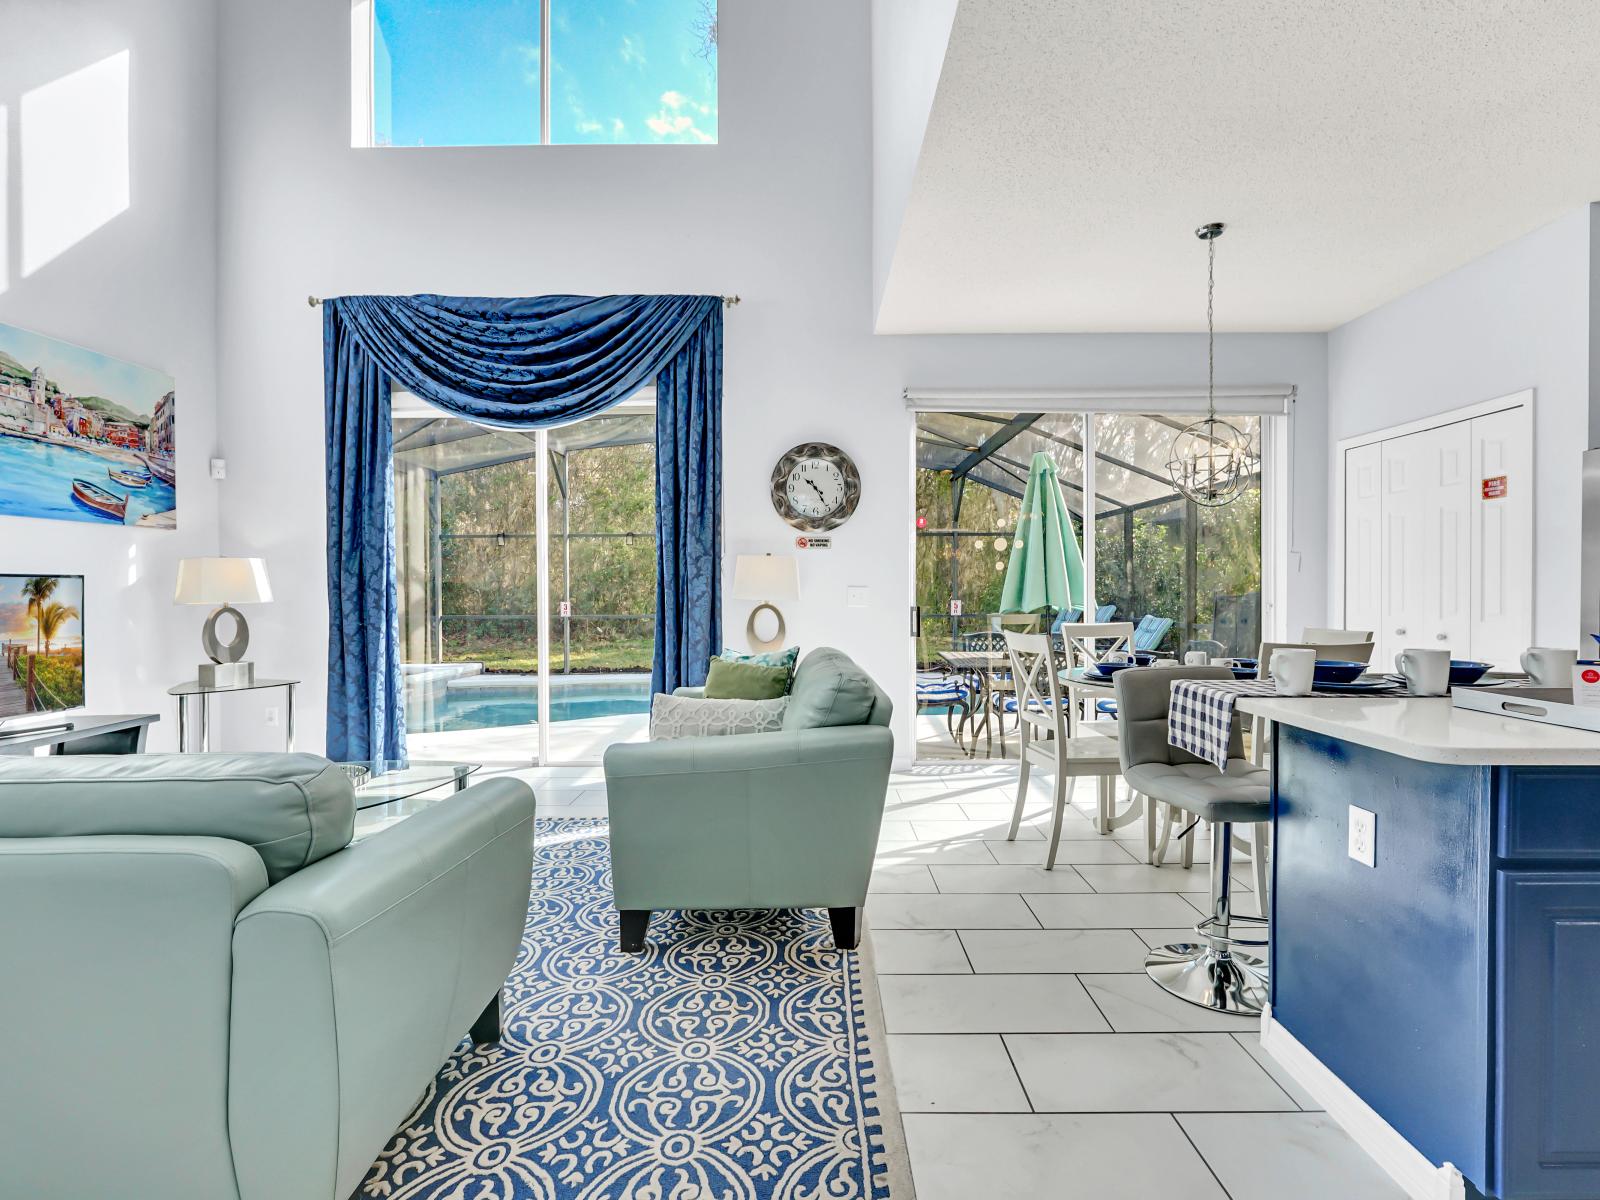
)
(83, 436)
(41, 643)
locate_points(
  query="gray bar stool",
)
(1209, 972)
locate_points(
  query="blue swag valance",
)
(512, 363)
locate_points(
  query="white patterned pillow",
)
(692, 716)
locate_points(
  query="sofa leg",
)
(846, 924)
(634, 923)
(486, 1028)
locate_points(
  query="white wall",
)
(779, 212)
(141, 287)
(1517, 318)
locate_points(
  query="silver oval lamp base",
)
(1196, 973)
(758, 643)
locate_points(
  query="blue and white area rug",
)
(727, 1062)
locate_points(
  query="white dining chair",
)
(1335, 637)
(1042, 731)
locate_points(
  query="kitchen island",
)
(1442, 1003)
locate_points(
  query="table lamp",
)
(765, 577)
(224, 582)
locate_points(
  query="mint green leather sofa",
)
(211, 993)
(757, 820)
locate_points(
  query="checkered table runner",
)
(1201, 715)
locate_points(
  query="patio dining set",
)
(975, 685)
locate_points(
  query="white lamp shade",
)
(766, 577)
(222, 581)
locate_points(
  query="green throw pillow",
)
(745, 681)
(772, 658)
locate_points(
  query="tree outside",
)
(489, 587)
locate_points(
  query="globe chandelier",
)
(1212, 460)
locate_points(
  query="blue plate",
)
(1244, 672)
(1357, 685)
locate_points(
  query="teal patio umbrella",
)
(1046, 567)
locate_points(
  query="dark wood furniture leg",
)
(846, 924)
(486, 1028)
(634, 923)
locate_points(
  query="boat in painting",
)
(95, 497)
(133, 479)
(162, 468)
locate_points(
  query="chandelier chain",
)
(1211, 328)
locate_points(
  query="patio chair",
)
(1106, 612)
(943, 688)
(1150, 632)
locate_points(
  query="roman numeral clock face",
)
(815, 487)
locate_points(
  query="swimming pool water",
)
(450, 709)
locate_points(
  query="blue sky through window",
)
(466, 72)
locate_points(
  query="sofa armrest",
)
(115, 950)
(772, 820)
(355, 977)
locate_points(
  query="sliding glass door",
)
(1189, 576)
(526, 570)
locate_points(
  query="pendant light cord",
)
(1211, 330)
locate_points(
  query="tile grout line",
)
(1199, 1154)
(1263, 1069)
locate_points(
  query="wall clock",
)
(815, 487)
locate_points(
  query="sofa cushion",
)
(829, 689)
(291, 808)
(745, 681)
(694, 716)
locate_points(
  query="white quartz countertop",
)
(1431, 730)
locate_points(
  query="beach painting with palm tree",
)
(41, 643)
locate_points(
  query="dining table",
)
(981, 667)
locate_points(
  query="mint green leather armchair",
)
(757, 820)
(212, 993)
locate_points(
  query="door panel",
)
(1502, 537)
(1363, 537)
(1547, 1118)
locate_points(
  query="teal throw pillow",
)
(745, 681)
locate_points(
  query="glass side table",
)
(385, 782)
(194, 688)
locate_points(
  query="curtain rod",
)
(727, 301)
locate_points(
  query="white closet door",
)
(1502, 537)
(1427, 542)
(1363, 537)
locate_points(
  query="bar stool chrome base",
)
(1223, 981)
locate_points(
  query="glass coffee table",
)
(386, 782)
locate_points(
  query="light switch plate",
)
(855, 597)
(1363, 836)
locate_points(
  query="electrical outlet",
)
(273, 717)
(855, 597)
(1363, 836)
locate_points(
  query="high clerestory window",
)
(533, 72)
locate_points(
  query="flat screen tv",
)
(41, 646)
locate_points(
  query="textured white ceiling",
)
(1356, 149)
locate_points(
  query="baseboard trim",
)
(1402, 1161)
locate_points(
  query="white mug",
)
(1426, 672)
(1293, 670)
(1547, 667)
(1196, 658)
